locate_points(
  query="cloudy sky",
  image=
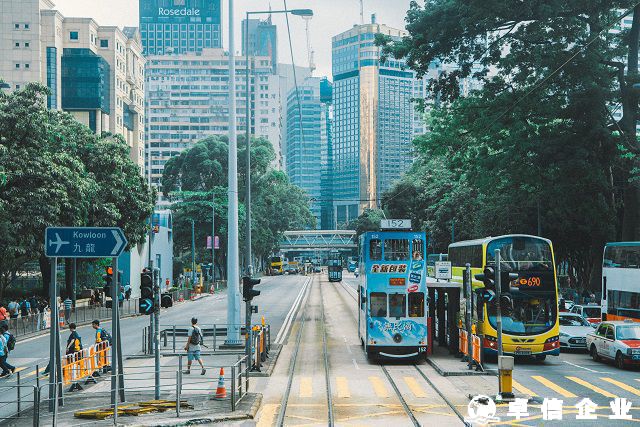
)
(330, 17)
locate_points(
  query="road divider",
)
(288, 320)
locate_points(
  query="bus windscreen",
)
(518, 253)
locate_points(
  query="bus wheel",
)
(594, 353)
(541, 357)
(619, 361)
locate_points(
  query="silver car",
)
(573, 331)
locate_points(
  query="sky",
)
(330, 18)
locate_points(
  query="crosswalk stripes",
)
(342, 388)
(522, 389)
(622, 385)
(553, 386)
(592, 387)
(378, 387)
(306, 387)
(414, 387)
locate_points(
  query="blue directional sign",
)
(488, 295)
(84, 242)
(146, 306)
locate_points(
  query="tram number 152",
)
(422, 349)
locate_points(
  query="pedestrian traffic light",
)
(146, 304)
(506, 304)
(248, 293)
(108, 279)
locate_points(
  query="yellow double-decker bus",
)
(277, 265)
(530, 327)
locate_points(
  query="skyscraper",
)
(179, 26)
(263, 39)
(308, 137)
(375, 119)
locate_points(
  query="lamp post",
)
(305, 13)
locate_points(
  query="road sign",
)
(443, 270)
(146, 306)
(84, 242)
(395, 224)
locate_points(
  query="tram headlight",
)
(397, 338)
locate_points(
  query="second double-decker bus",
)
(277, 265)
(530, 327)
(392, 306)
(620, 279)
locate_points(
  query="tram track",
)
(353, 294)
(294, 358)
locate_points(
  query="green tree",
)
(369, 220)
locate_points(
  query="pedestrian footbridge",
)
(318, 240)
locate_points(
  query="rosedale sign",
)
(178, 12)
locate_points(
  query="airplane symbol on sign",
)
(58, 242)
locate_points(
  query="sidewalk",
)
(447, 364)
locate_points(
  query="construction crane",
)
(361, 12)
(310, 52)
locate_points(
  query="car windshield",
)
(573, 321)
(591, 311)
(520, 253)
(531, 314)
(628, 332)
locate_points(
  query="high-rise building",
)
(188, 100)
(179, 26)
(94, 72)
(375, 119)
(326, 180)
(263, 39)
(308, 138)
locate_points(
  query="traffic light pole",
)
(498, 302)
(156, 330)
(469, 315)
(248, 332)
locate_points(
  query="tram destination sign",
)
(84, 242)
(395, 224)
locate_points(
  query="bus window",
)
(375, 249)
(397, 305)
(378, 304)
(396, 250)
(416, 304)
(417, 247)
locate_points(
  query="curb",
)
(469, 373)
(249, 415)
(272, 365)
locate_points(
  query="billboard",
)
(180, 11)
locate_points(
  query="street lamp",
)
(305, 13)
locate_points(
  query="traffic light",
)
(108, 280)
(488, 277)
(506, 304)
(146, 304)
(248, 293)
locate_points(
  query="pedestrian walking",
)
(101, 336)
(13, 308)
(74, 342)
(7, 343)
(193, 346)
(67, 309)
(33, 302)
(25, 308)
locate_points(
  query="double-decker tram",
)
(620, 278)
(334, 268)
(530, 321)
(392, 310)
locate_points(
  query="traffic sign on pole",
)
(84, 242)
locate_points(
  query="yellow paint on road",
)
(268, 415)
(623, 386)
(342, 387)
(522, 389)
(553, 386)
(414, 387)
(590, 386)
(306, 387)
(379, 387)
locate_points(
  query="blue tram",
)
(392, 315)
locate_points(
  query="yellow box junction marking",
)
(553, 386)
(622, 385)
(522, 389)
(584, 383)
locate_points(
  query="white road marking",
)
(582, 367)
(355, 364)
(347, 345)
(288, 321)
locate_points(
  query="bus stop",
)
(444, 308)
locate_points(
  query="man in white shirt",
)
(193, 346)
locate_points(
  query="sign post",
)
(84, 242)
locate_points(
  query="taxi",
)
(618, 341)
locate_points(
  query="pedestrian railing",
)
(38, 403)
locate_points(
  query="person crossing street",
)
(7, 343)
(193, 346)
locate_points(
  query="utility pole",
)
(193, 253)
(156, 330)
(247, 198)
(233, 267)
(213, 238)
(498, 302)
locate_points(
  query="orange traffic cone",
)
(221, 391)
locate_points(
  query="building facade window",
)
(52, 77)
(73, 35)
(104, 43)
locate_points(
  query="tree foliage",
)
(537, 142)
(196, 174)
(58, 173)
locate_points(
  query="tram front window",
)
(396, 249)
(378, 304)
(416, 304)
(397, 306)
(417, 247)
(375, 249)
